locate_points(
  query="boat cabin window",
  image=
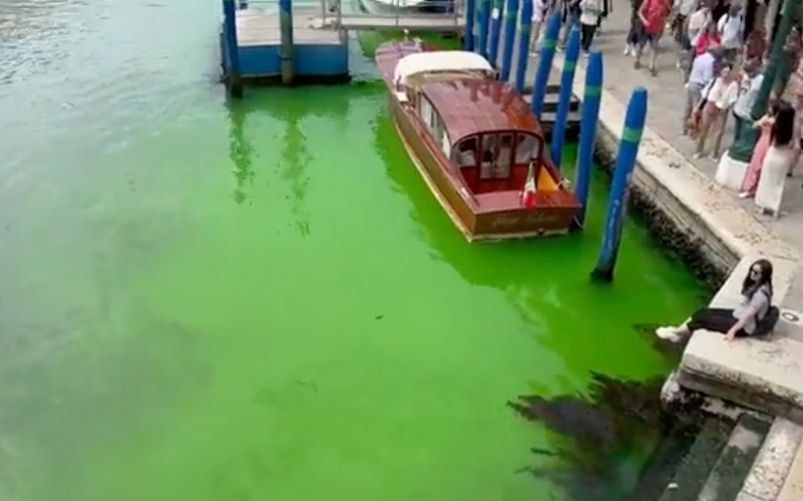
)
(434, 124)
(496, 154)
(487, 156)
(527, 148)
(466, 153)
(504, 155)
(426, 112)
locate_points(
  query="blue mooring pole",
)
(565, 96)
(545, 64)
(525, 25)
(623, 168)
(468, 34)
(496, 25)
(588, 133)
(511, 13)
(286, 48)
(484, 16)
(232, 51)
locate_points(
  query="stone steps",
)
(693, 470)
(713, 468)
(775, 473)
(734, 463)
(551, 108)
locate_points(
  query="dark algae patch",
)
(598, 433)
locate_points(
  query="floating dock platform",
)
(251, 46)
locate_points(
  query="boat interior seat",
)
(514, 182)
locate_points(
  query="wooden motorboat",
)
(476, 143)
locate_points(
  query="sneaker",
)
(745, 194)
(697, 156)
(627, 51)
(668, 334)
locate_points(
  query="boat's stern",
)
(502, 215)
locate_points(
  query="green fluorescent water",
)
(262, 301)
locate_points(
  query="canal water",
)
(261, 300)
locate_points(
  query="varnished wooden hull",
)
(475, 222)
(487, 216)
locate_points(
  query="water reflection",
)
(240, 151)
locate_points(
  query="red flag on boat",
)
(528, 193)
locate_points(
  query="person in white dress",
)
(777, 163)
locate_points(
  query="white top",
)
(435, 61)
(686, 7)
(590, 11)
(697, 22)
(730, 30)
(538, 11)
(747, 95)
(702, 70)
(722, 94)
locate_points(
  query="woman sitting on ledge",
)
(754, 316)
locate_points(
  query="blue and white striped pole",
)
(565, 96)
(511, 13)
(623, 168)
(232, 51)
(496, 26)
(525, 25)
(484, 16)
(545, 64)
(588, 133)
(468, 34)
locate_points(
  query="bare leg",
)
(705, 127)
(721, 122)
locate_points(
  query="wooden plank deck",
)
(258, 27)
(421, 22)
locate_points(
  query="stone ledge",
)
(771, 467)
(792, 489)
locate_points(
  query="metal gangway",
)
(432, 15)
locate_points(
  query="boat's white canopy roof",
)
(437, 61)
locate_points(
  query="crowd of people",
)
(722, 54)
(723, 64)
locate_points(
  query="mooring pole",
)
(623, 168)
(565, 96)
(496, 25)
(468, 33)
(286, 48)
(545, 64)
(484, 18)
(525, 24)
(588, 133)
(232, 51)
(511, 15)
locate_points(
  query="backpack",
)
(767, 324)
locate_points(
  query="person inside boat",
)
(467, 153)
(753, 316)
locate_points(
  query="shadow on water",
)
(614, 418)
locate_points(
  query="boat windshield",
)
(528, 147)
